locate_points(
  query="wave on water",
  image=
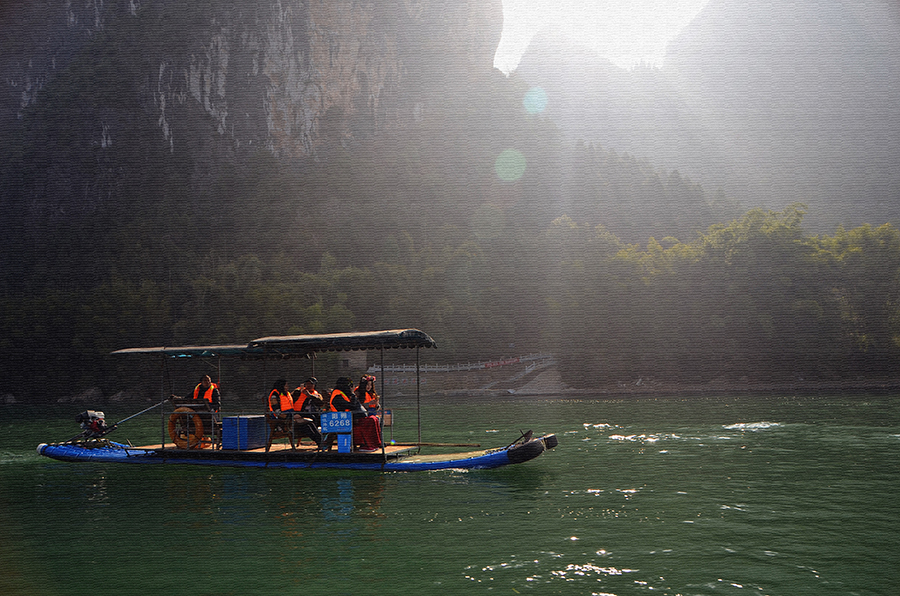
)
(8, 457)
(752, 426)
(642, 438)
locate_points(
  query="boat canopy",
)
(194, 351)
(287, 346)
(372, 340)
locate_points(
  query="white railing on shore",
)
(530, 360)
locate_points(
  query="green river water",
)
(768, 494)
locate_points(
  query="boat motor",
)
(93, 423)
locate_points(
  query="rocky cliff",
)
(293, 76)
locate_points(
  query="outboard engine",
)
(93, 423)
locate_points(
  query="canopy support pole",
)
(265, 384)
(418, 401)
(381, 421)
(163, 369)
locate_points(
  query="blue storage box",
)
(244, 432)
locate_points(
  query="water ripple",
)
(751, 426)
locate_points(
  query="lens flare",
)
(535, 100)
(510, 165)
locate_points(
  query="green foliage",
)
(753, 300)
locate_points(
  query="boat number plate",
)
(337, 422)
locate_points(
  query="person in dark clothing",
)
(307, 399)
(366, 429)
(344, 400)
(209, 391)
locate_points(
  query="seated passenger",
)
(307, 400)
(366, 429)
(280, 400)
(366, 394)
(209, 391)
(343, 399)
(281, 406)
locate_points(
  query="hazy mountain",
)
(151, 119)
(642, 112)
(777, 102)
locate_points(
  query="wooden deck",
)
(281, 448)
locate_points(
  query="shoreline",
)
(548, 382)
(680, 392)
(678, 389)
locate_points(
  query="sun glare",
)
(626, 32)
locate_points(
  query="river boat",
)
(200, 436)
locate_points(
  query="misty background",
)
(214, 172)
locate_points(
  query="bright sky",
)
(624, 31)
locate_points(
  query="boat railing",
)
(234, 429)
(213, 422)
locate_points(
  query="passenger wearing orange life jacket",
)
(281, 405)
(280, 399)
(366, 429)
(307, 399)
(209, 391)
(343, 399)
(366, 394)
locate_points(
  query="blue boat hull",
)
(112, 452)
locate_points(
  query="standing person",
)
(209, 391)
(366, 394)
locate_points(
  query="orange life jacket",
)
(370, 400)
(285, 401)
(207, 395)
(305, 395)
(334, 394)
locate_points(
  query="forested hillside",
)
(450, 207)
(752, 301)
